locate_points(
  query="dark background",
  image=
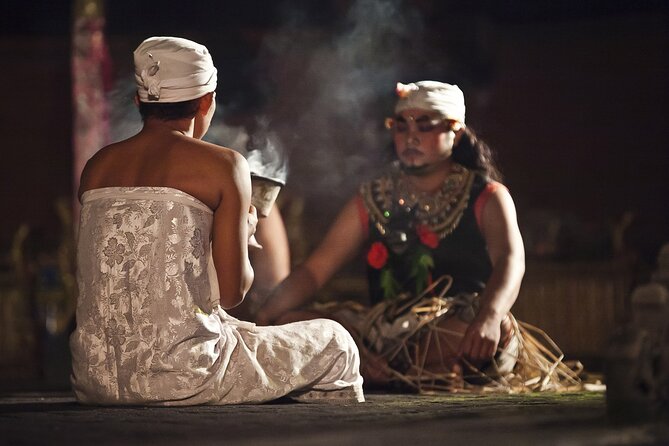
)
(572, 95)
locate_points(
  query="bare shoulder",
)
(102, 154)
(206, 171)
(220, 159)
(95, 168)
(217, 173)
(500, 201)
(499, 211)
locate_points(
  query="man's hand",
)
(481, 339)
(252, 222)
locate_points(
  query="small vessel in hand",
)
(264, 193)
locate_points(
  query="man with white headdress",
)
(444, 253)
(165, 228)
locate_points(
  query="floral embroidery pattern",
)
(150, 324)
(115, 332)
(196, 243)
(114, 252)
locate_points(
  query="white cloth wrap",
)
(172, 69)
(446, 99)
(150, 328)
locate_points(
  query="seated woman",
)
(165, 229)
(436, 217)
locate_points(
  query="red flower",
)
(377, 255)
(427, 237)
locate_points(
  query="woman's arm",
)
(340, 244)
(499, 227)
(231, 231)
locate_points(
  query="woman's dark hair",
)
(169, 111)
(475, 154)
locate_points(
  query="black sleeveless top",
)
(442, 226)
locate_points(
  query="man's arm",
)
(505, 247)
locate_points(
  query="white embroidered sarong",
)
(150, 329)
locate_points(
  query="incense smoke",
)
(329, 91)
(124, 118)
(266, 155)
(326, 90)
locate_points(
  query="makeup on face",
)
(422, 138)
(423, 123)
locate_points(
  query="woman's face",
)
(422, 137)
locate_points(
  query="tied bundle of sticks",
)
(539, 363)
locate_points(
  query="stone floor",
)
(54, 418)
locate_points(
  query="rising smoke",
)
(329, 89)
(124, 118)
(326, 90)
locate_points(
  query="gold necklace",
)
(441, 211)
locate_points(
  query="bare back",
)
(153, 158)
(217, 176)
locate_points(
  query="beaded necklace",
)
(440, 211)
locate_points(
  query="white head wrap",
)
(172, 69)
(446, 99)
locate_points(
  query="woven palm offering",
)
(394, 336)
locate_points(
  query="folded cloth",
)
(172, 69)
